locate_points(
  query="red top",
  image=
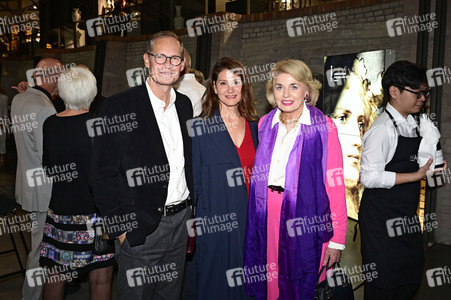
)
(246, 152)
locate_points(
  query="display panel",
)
(352, 98)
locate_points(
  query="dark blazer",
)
(214, 155)
(116, 153)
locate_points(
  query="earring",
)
(306, 99)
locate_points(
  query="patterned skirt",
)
(68, 241)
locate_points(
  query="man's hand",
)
(122, 238)
(21, 87)
(331, 255)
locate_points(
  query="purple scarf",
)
(306, 173)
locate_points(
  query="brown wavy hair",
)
(246, 107)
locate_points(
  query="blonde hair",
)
(300, 72)
(372, 92)
(77, 87)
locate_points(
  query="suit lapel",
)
(145, 108)
(254, 131)
(183, 117)
(222, 139)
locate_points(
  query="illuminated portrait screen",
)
(352, 98)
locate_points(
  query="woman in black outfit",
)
(67, 245)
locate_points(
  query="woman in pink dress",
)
(297, 209)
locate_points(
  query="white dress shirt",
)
(282, 149)
(281, 153)
(169, 125)
(188, 85)
(379, 146)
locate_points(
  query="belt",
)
(170, 210)
(275, 188)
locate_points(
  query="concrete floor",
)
(436, 256)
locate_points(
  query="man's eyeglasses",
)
(161, 59)
(419, 94)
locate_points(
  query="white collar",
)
(188, 76)
(157, 101)
(303, 119)
(411, 123)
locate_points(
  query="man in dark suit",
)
(141, 175)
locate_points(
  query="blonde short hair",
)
(300, 72)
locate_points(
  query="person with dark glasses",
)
(144, 175)
(390, 172)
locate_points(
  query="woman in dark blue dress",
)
(224, 143)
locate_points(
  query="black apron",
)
(399, 258)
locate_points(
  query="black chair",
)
(8, 206)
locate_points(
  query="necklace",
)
(288, 122)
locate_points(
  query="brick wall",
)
(13, 72)
(114, 80)
(357, 29)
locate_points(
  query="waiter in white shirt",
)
(390, 229)
(188, 85)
